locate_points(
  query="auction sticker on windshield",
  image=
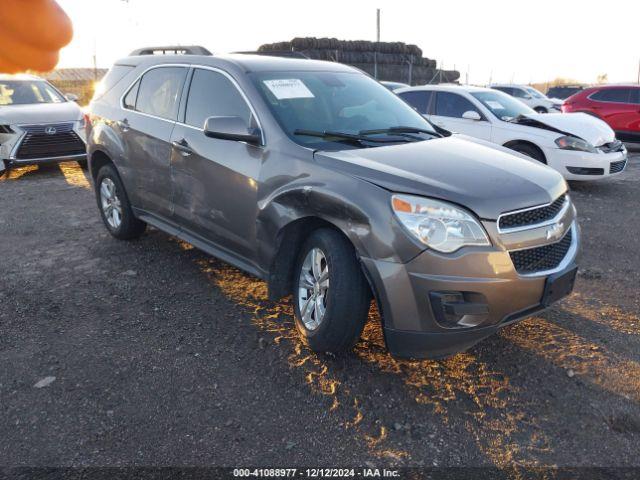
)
(287, 88)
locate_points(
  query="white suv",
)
(577, 145)
(531, 97)
(38, 124)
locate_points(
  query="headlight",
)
(572, 143)
(439, 225)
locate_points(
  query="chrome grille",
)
(49, 141)
(533, 216)
(540, 259)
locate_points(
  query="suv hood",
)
(582, 125)
(40, 113)
(485, 179)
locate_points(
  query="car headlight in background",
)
(573, 143)
(439, 225)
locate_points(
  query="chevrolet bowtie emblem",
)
(554, 232)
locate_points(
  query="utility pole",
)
(375, 53)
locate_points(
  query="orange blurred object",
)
(32, 32)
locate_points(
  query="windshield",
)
(24, 92)
(502, 105)
(535, 93)
(350, 103)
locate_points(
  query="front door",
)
(448, 113)
(215, 181)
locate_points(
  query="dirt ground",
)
(152, 353)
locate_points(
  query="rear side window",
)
(113, 76)
(617, 95)
(417, 99)
(159, 92)
(212, 94)
(453, 105)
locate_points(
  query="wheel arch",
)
(513, 143)
(97, 160)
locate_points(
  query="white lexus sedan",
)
(38, 124)
(577, 145)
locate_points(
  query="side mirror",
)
(231, 128)
(526, 96)
(471, 115)
(72, 97)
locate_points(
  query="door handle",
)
(183, 147)
(124, 125)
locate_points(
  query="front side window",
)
(159, 92)
(346, 102)
(507, 90)
(212, 94)
(520, 93)
(418, 99)
(453, 105)
(502, 105)
(534, 93)
(617, 95)
(27, 92)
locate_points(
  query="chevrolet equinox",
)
(314, 177)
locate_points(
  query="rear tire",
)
(332, 299)
(529, 151)
(114, 206)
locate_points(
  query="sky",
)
(487, 40)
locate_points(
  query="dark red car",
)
(618, 105)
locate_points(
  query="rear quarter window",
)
(113, 76)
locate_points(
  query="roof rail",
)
(172, 50)
(279, 53)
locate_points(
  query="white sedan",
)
(577, 145)
(532, 97)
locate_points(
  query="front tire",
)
(114, 206)
(541, 110)
(331, 295)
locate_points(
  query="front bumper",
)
(413, 325)
(12, 153)
(575, 165)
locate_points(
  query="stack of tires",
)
(392, 61)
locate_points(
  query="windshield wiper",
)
(358, 138)
(398, 130)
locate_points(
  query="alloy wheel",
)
(313, 288)
(111, 206)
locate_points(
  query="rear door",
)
(151, 109)
(616, 107)
(215, 181)
(448, 111)
(419, 100)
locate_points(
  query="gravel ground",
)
(152, 353)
